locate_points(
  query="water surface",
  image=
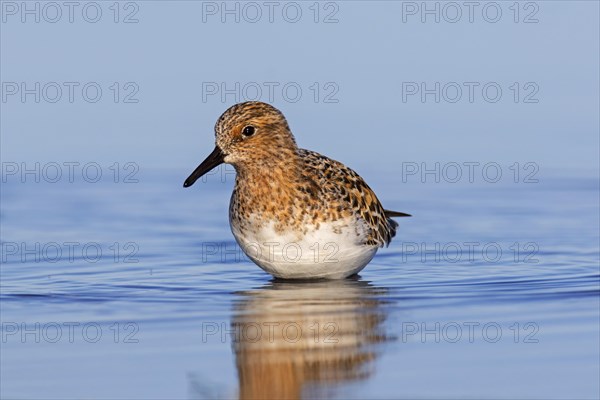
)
(172, 309)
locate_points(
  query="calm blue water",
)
(137, 290)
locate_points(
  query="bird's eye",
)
(248, 130)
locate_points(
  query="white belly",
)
(333, 251)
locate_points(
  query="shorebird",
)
(294, 212)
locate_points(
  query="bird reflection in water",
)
(297, 339)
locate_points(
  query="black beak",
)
(215, 158)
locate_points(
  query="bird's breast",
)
(327, 249)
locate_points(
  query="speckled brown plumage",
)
(287, 196)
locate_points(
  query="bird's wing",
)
(343, 193)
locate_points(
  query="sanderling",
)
(296, 213)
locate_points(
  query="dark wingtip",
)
(392, 214)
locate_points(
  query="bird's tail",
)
(393, 225)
